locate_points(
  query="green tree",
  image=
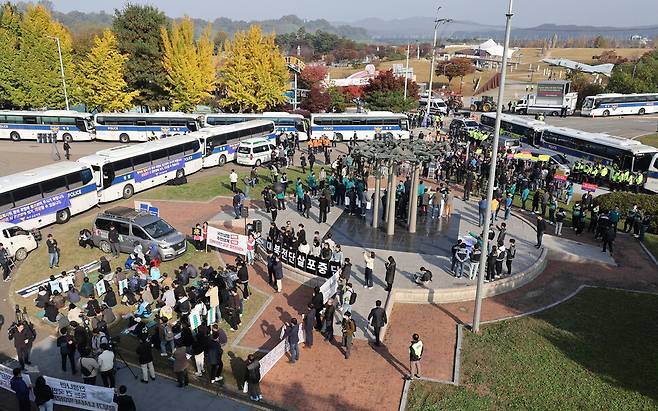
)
(636, 77)
(190, 66)
(37, 66)
(10, 25)
(338, 101)
(386, 92)
(582, 83)
(137, 29)
(254, 76)
(102, 85)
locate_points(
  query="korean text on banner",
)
(159, 169)
(39, 208)
(78, 395)
(226, 240)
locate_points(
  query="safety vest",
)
(639, 179)
(604, 171)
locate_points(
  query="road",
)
(623, 126)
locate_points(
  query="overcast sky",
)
(527, 12)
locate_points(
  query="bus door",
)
(651, 183)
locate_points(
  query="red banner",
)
(590, 187)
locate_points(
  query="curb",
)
(456, 374)
(646, 250)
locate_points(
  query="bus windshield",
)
(588, 103)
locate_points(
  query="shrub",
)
(648, 203)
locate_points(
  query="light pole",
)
(406, 73)
(492, 175)
(437, 23)
(61, 67)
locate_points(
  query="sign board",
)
(311, 264)
(589, 187)
(330, 287)
(226, 240)
(147, 207)
(560, 177)
(100, 287)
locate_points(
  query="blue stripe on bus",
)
(355, 128)
(44, 127)
(45, 206)
(228, 148)
(638, 104)
(131, 175)
(652, 174)
(143, 128)
(82, 190)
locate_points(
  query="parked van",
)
(137, 226)
(17, 242)
(254, 151)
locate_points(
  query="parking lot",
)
(628, 126)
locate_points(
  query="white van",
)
(254, 151)
(17, 242)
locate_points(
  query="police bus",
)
(283, 122)
(48, 194)
(28, 125)
(602, 148)
(343, 126)
(604, 105)
(127, 127)
(527, 130)
(220, 143)
(122, 171)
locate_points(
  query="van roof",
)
(130, 215)
(254, 140)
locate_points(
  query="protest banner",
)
(100, 287)
(6, 374)
(279, 351)
(84, 396)
(589, 187)
(329, 288)
(306, 262)
(560, 177)
(226, 240)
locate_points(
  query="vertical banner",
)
(100, 288)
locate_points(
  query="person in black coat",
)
(23, 337)
(541, 228)
(110, 298)
(311, 316)
(390, 273)
(253, 378)
(243, 277)
(145, 358)
(278, 274)
(377, 318)
(66, 344)
(214, 356)
(317, 301)
(124, 401)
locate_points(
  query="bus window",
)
(81, 124)
(176, 152)
(54, 186)
(122, 167)
(141, 161)
(68, 121)
(5, 202)
(15, 119)
(404, 124)
(108, 175)
(159, 156)
(27, 195)
(30, 120)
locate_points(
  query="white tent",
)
(494, 49)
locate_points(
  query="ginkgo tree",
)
(102, 85)
(254, 76)
(190, 65)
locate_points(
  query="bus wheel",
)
(641, 112)
(105, 247)
(124, 138)
(128, 191)
(15, 136)
(258, 163)
(63, 216)
(606, 113)
(21, 254)
(222, 160)
(67, 137)
(180, 173)
(554, 113)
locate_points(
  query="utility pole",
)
(294, 102)
(492, 174)
(406, 73)
(61, 67)
(437, 23)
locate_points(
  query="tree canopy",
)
(190, 65)
(101, 85)
(636, 77)
(254, 76)
(386, 92)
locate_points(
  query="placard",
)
(123, 284)
(589, 187)
(226, 240)
(100, 287)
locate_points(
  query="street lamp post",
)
(61, 67)
(437, 23)
(492, 175)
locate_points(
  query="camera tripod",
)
(117, 354)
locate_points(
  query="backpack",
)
(352, 298)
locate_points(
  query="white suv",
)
(254, 151)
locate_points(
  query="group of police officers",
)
(613, 177)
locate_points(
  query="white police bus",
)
(283, 122)
(604, 105)
(599, 147)
(220, 144)
(343, 126)
(48, 194)
(527, 130)
(28, 125)
(127, 127)
(122, 171)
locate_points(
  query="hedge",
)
(623, 200)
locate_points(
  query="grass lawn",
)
(593, 352)
(649, 139)
(206, 186)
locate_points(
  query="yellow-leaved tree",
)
(254, 75)
(101, 84)
(190, 66)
